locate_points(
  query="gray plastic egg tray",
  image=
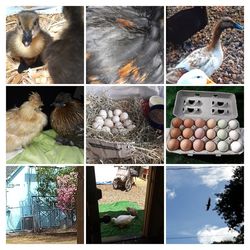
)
(206, 105)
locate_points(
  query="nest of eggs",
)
(51, 23)
(147, 143)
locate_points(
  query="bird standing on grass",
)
(122, 220)
(67, 119)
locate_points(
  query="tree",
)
(230, 204)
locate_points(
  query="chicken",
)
(132, 211)
(124, 45)
(24, 123)
(65, 56)
(27, 42)
(122, 220)
(185, 24)
(67, 120)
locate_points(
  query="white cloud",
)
(212, 176)
(171, 194)
(209, 234)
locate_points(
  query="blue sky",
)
(188, 191)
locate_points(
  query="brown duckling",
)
(65, 56)
(27, 41)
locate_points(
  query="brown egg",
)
(173, 144)
(176, 122)
(186, 145)
(175, 133)
(211, 134)
(187, 133)
(210, 146)
(211, 123)
(199, 133)
(188, 123)
(198, 145)
(200, 123)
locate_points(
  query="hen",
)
(67, 120)
(24, 123)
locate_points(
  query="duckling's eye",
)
(19, 23)
(35, 22)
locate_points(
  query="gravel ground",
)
(232, 69)
(136, 194)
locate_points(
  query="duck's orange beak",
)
(209, 81)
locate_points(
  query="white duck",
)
(122, 220)
(195, 76)
(208, 58)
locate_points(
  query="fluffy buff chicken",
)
(24, 123)
(67, 120)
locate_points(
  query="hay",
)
(146, 142)
(51, 23)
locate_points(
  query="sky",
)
(188, 191)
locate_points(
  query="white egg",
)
(222, 134)
(234, 135)
(119, 125)
(99, 118)
(101, 122)
(103, 114)
(116, 119)
(117, 112)
(223, 146)
(114, 131)
(108, 123)
(97, 125)
(110, 113)
(233, 124)
(236, 146)
(127, 123)
(131, 127)
(106, 129)
(222, 123)
(123, 131)
(124, 116)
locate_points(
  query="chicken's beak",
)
(209, 81)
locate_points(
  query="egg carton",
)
(206, 105)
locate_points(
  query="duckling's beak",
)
(27, 38)
(209, 81)
(238, 26)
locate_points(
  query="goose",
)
(195, 76)
(122, 220)
(209, 58)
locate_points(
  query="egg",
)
(103, 114)
(124, 116)
(108, 123)
(199, 133)
(175, 133)
(234, 135)
(223, 146)
(187, 133)
(173, 144)
(115, 119)
(106, 129)
(211, 123)
(176, 122)
(131, 127)
(96, 125)
(222, 134)
(119, 125)
(200, 123)
(222, 123)
(233, 124)
(236, 146)
(99, 118)
(114, 131)
(210, 146)
(188, 123)
(117, 112)
(127, 123)
(211, 134)
(123, 131)
(198, 145)
(186, 145)
(100, 121)
(110, 113)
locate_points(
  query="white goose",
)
(195, 76)
(208, 58)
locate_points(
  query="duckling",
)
(65, 56)
(122, 220)
(210, 57)
(27, 41)
(195, 76)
